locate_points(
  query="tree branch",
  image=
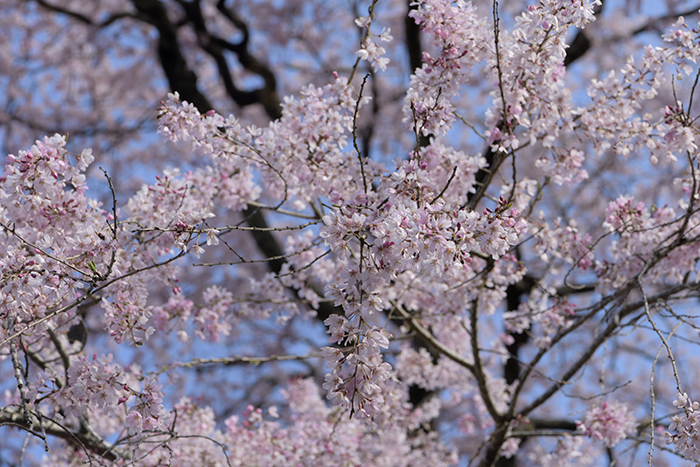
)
(84, 439)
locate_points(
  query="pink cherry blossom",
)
(609, 423)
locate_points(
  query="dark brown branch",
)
(415, 55)
(430, 341)
(180, 77)
(215, 47)
(655, 24)
(494, 445)
(547, 424)
(485, 175)
(267, 95)
(413, 45)
(82, 18)
(86, 440)
(367, 132)
(514, 294)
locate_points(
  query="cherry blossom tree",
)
(373, 232)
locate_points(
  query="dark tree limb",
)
(180, 77)
(216, 46)
(83, 439)
(415, 54)
(82, 18)
(413, 45)
(552, 424)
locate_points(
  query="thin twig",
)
(233, 361)
(354, 132)
(454, 172)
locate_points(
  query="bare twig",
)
(233, 361)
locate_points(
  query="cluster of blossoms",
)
(219, 310)
(100, 387)
(173, 315)
(52, 234)
(565, 242)
(148, 412)
(127, 314)
(641, 233)
(401, 237)
(565, 166)
(686, 427)
(60, 246)
(209, 318)
(459, 33)
(300, 155)
(371, 51)
(612, 119)
(167, 212)
(610, 422)
(686, 38)
(311, 436)
(550, 314)
(531, 58)
(91, 382)
(570, 451)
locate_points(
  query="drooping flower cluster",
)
(401, 237)
(459, 32)
(686, 426)
(371, 51)
(148, 412)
